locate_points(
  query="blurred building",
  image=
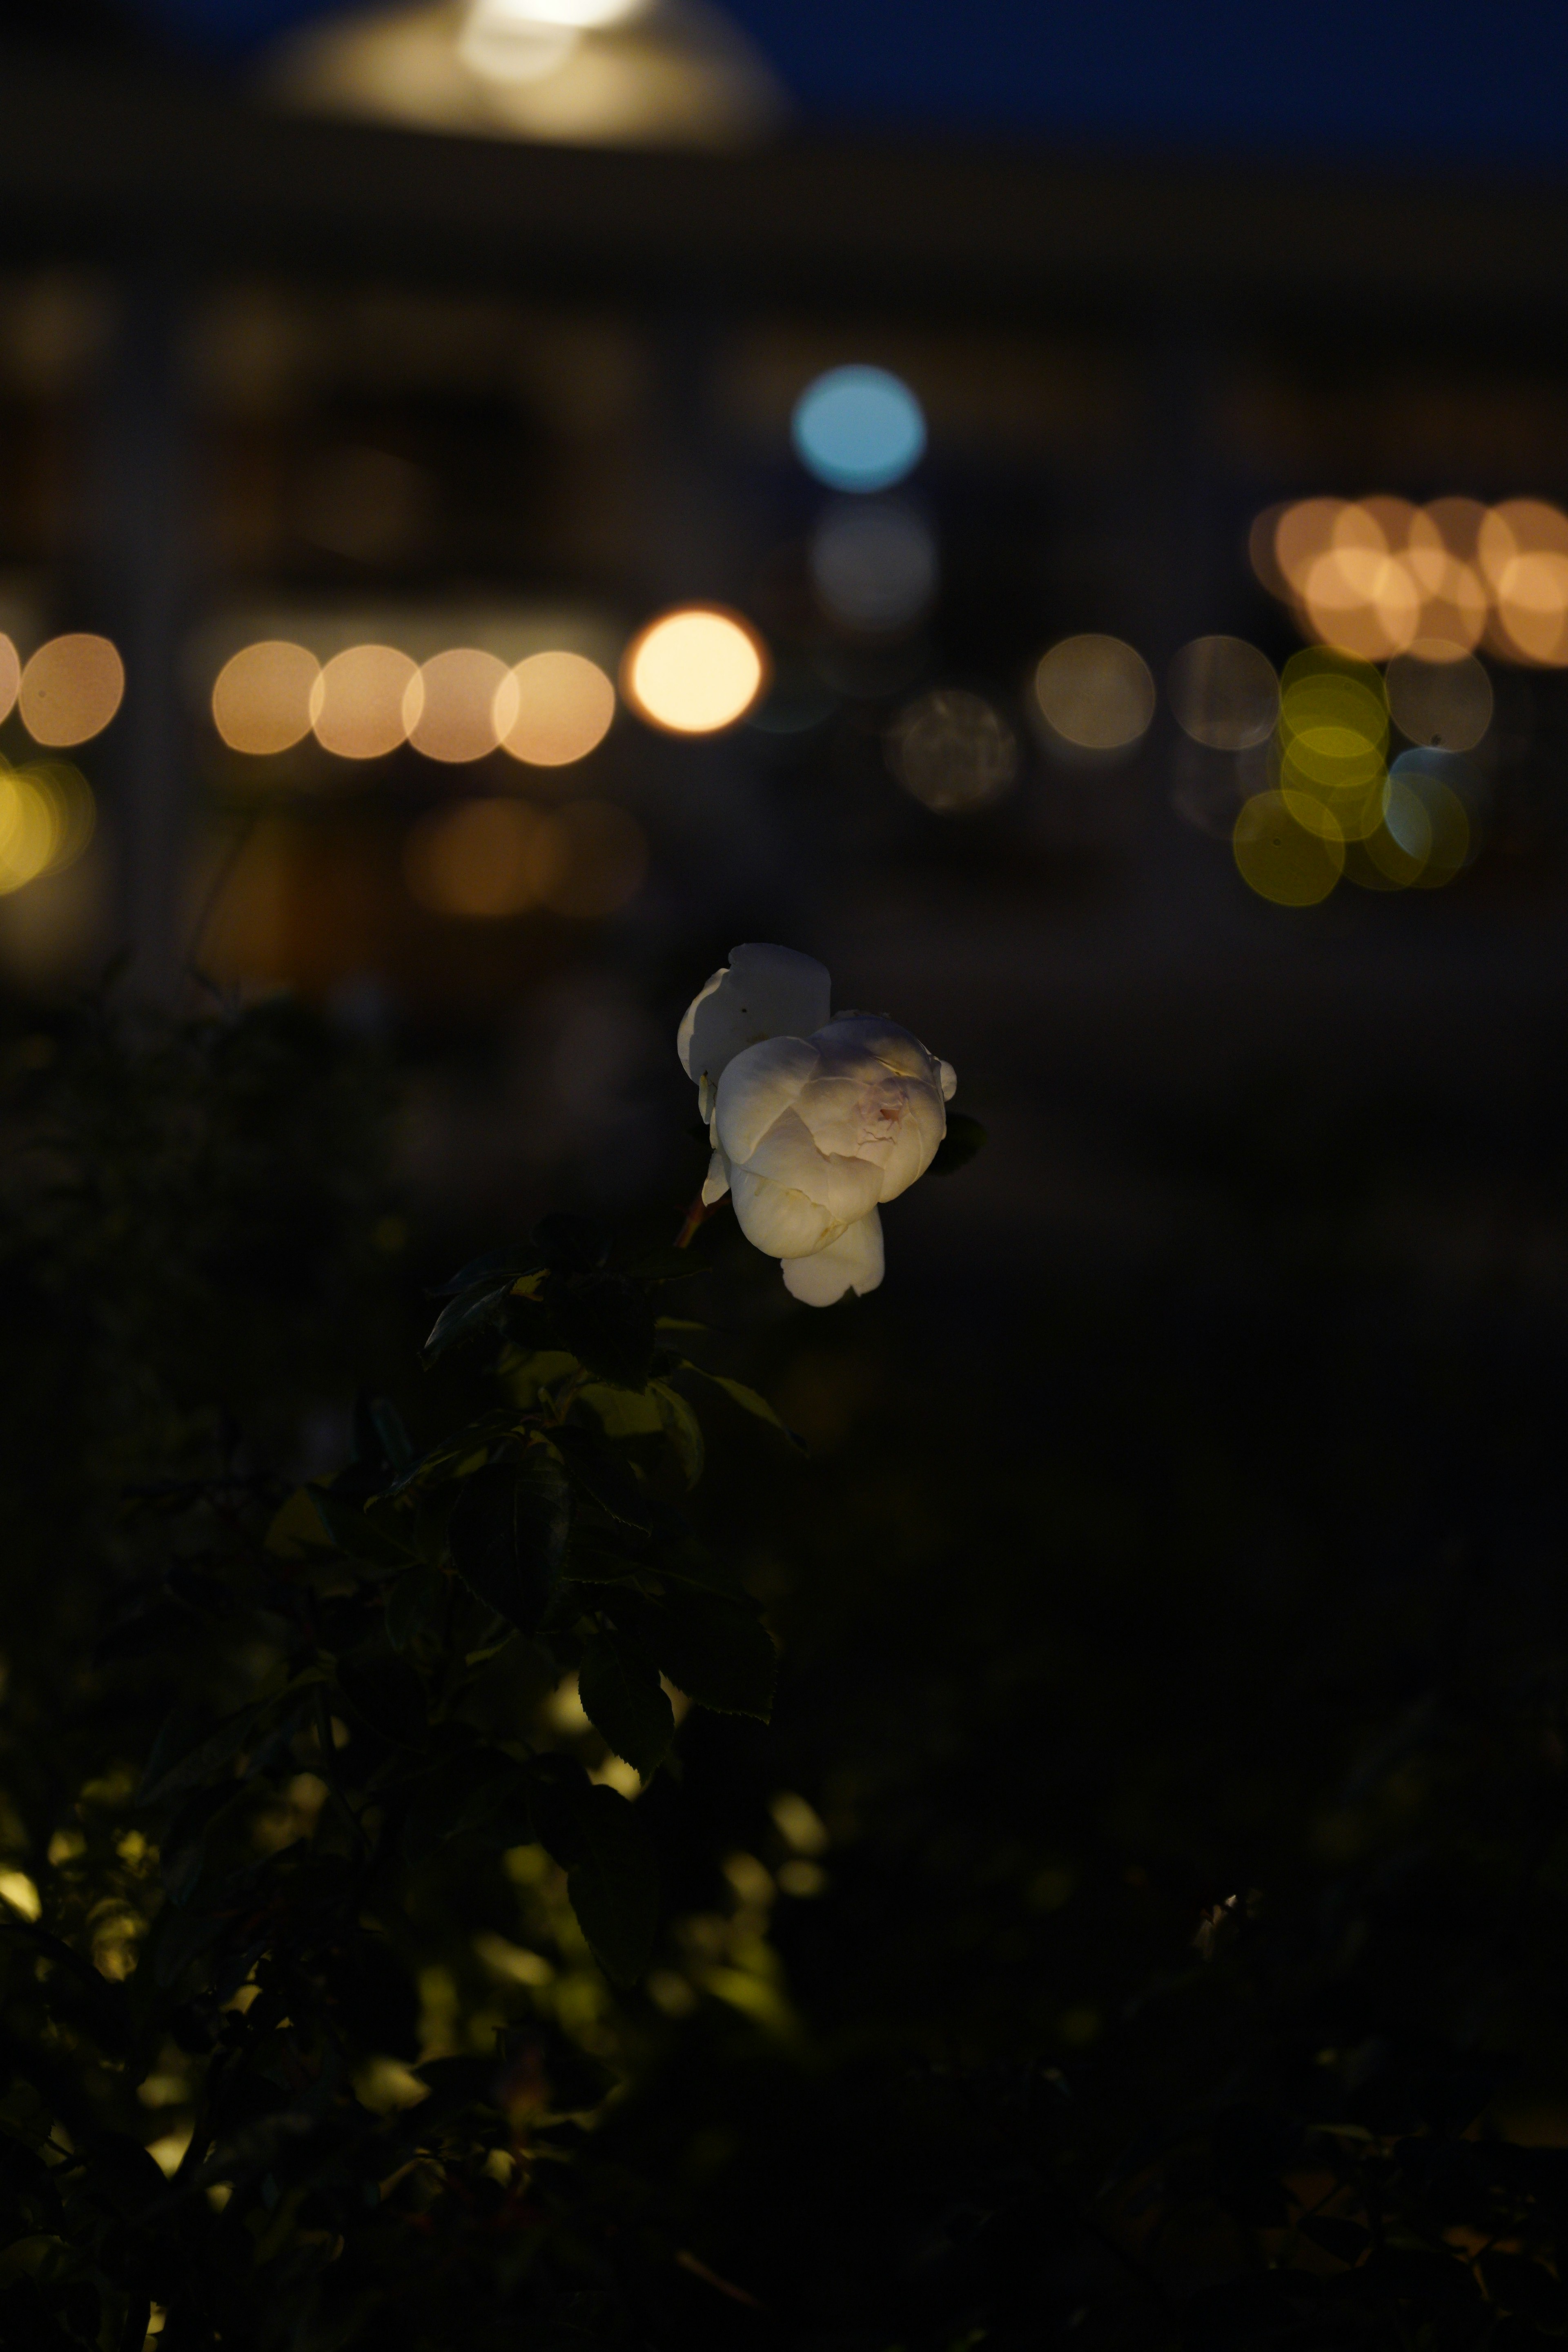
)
(364, 408)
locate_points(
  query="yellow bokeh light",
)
(449, 707)
(1280, 859)
(10, 676)
(46, 820)
(71, 689)
(1095, 693)
(261, 697)
(363, 702)
(482, 858)
(695, 670)
(1224, 693)
(553, 709)
(1438, 695)
(1361, 598)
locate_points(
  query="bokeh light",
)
(504, 43)
(1224, 693)
(10, 676)
(695, 670)
(873, 565)
(1095, 693)
(71, 689)
(1433, 779)
(1439, 697)
(952, 751)
(1332, 744)
(46, 820)
(450, 708)
(858, 428)
(1280, 859)
(261, 697)
(553, 709)
(482, 858)
(487, 859)
(364, 702)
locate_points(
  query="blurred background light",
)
(858, 428)
(1437, 781)
(451, 707)
(71, 689)
(1095, 693)
(1439, 694)
(874, 564)
(46, 820)
(482, 858)
(261, 697)
(10, 676)
(694, 671)
(552, 709)
(952, 751)
(364, 700)
(1280, 859)
(1224, 693)
(506, 44)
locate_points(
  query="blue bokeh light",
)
(858, 428)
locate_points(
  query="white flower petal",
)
(948, 1080)
(778, 1220)
(788, 1155)
(854, 1262)
(757, 1087)
(763, 991)
(716, 1183)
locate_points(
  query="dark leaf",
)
(607, 1324)
(965, 1138)
(681, 1427)
(605, 1476)
(384, 1690)
(503, 1266)
(716, 1650)
(613, 1888)
(472, 1311)
(191, 1747)
(182, 1848)
(414, 1603)
(748, 1400)
(620, 1688)
(507, 1535)
(1346, 2241)
(558, 1788)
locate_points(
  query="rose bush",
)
(816, 1118)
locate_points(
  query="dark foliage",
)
(1142, 1925)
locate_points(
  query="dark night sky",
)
(1395, 79)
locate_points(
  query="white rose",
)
(812, 1131)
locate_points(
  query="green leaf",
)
(620, 1688)
(376, 1536)
(473, 1311)
(747, 1398)
(716, 1650)
(613, 1889)
(191, 1747)
(507, 1535)
(681, 1427)
(384, 1690)
(965, 1138)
